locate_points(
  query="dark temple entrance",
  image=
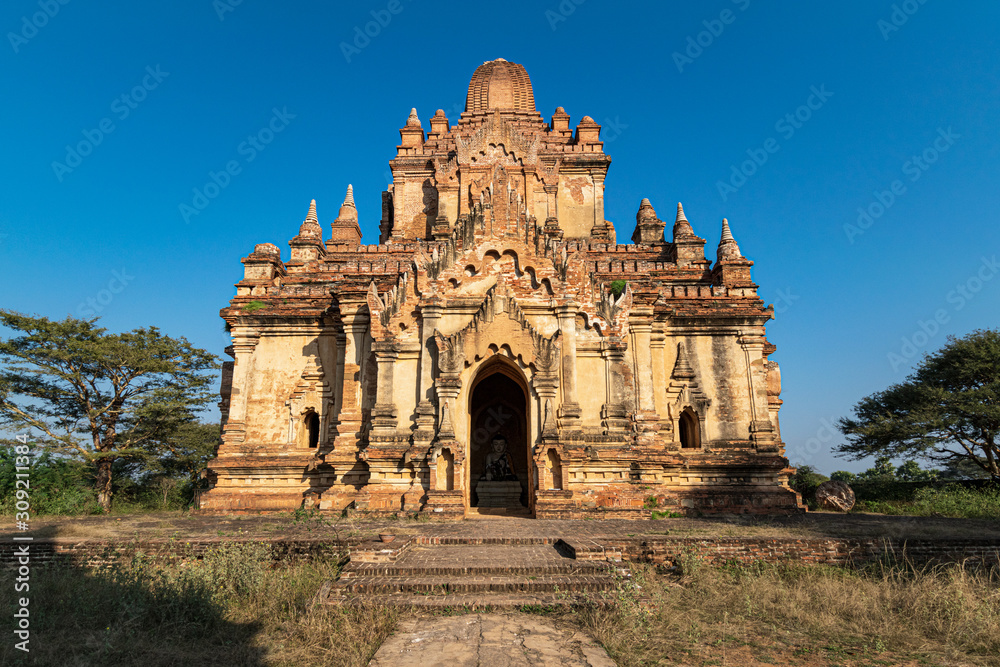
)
(499, 472)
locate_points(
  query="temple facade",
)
(498, 351)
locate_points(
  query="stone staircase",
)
(476, 573)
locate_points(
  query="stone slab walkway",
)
(497, 640)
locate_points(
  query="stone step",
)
(460, 540)
(460, 560)
(444, 585)
(487, 557)
(477, 573)
(570, 567)
(477, 601)
(496, 512)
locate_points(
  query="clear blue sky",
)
(674, 126)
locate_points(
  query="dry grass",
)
(234, 609)
(136, 614)
(804, 615)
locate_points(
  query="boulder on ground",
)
(835, 496)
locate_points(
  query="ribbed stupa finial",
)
(728, 248)
(681, 226)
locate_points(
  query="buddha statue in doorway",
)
(499, 467)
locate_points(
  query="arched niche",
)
(689, 429)
(498, 407)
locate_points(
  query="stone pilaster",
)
(385, 416)
(349, 420)
(641, 327)
(658, 352)
(613, 414)
(762, 431)
(569, 411)
(244, 342)
(425, 421)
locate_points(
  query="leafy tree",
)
(99, 396)
(180, 453)
(962, 469)
(882, 470)
(805, 480)
(948, 409)
(843, 476)
(911, 471)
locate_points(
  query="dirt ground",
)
(188, 525)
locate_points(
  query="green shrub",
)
(618, 287)
(254, 306)
(65, 487)
(805, 480)
(954, 501)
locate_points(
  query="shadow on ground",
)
(122, 616)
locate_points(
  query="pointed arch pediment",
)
(489, 331)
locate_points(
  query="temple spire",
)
(727, 235)
(728, 248)
(348, 211)
(310, 229)
(648, 228)
(345, 232)
(681, 226)
(413, 119)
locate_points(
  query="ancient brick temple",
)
(498, 348)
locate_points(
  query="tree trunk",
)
(103, 482)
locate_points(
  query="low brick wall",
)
(719, 551)
(94, 553)
(665, 551)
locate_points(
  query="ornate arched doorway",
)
(500, 474)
